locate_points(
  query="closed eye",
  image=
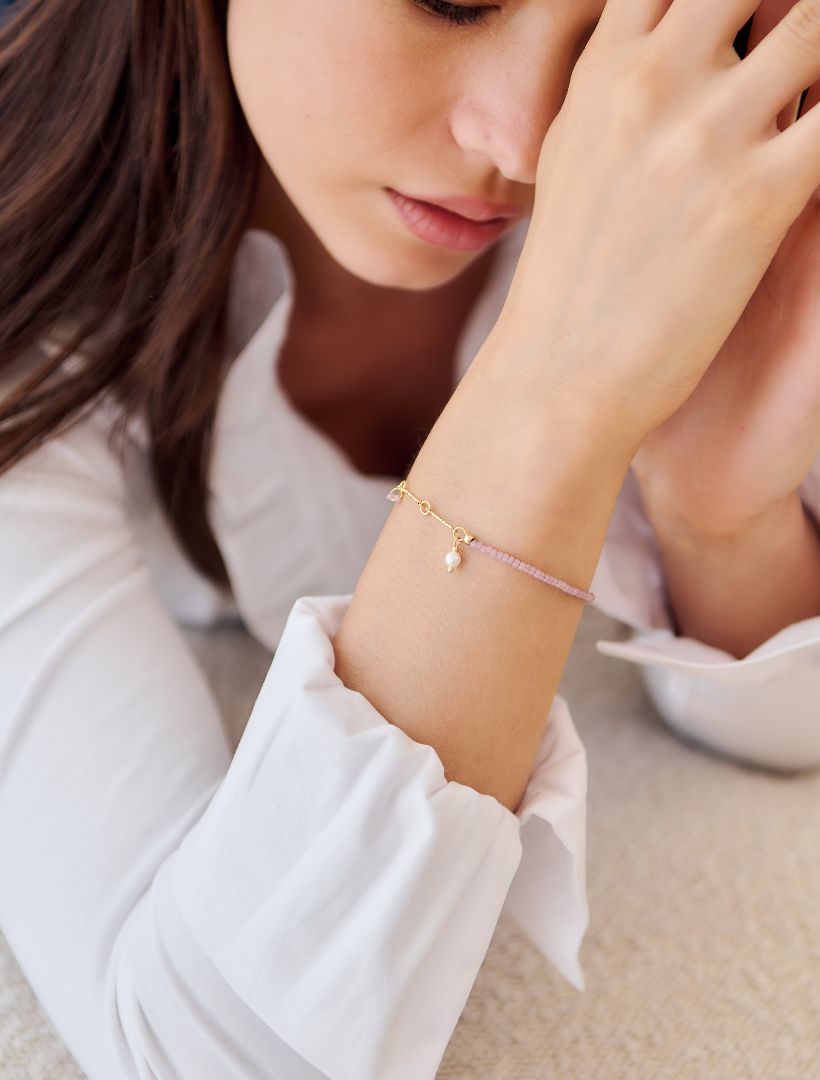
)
(455, 13)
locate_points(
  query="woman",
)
(231, 324)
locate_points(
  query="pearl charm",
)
(452, 559)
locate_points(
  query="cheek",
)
(330, 79)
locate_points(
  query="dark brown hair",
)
(127, 177)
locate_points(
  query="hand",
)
(746, 438)
(664, 189)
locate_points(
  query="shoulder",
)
(84, 451)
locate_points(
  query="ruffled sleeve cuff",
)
(763, 709)
(348, 892)
(548, 897)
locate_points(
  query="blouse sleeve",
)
(316, 904)
(763, 709)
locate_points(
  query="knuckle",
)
(644, 85)
(803, 22)
(635, 94)
(750, 193)
(700, 140)
(709, 130)
(649, 72)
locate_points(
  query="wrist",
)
(685, 533)
(543, 403)
(734, 590)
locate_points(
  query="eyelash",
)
(453, 13)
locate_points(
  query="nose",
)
(515, 86)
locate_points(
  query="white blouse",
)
(318, 903)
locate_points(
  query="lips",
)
(468, 206)
(443, 228)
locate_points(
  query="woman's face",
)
(346, 98)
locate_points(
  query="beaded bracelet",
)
(453, 558)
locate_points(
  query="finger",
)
(791, 160)
(628, 18)
(708, 28)
(767, 16)
(780, 67)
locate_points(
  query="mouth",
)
(445, 227)
(469, 207)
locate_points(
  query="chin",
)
(397, 264)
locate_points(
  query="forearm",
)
(735, 592)
(469, 661)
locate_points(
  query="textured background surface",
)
(703, 953)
